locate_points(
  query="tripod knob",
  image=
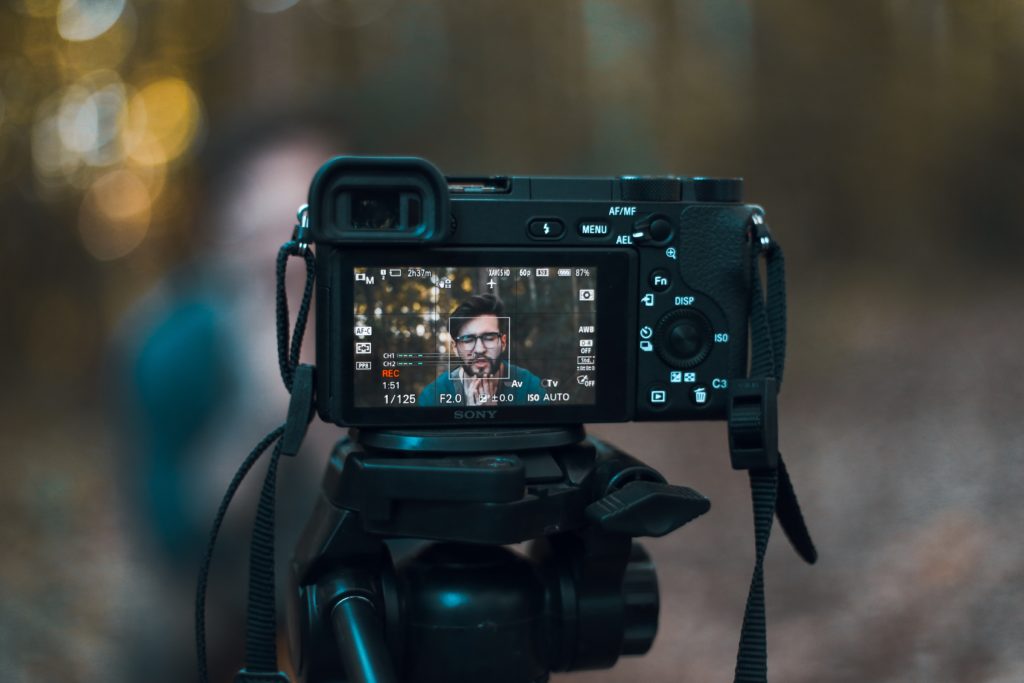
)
(647, 508)
(640, 602)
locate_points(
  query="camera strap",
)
(753, 440)
(261, 619)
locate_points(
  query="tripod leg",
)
(360, 639)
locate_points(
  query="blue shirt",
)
(520, 383)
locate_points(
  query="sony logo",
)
(475, 414)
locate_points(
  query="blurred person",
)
(198, 387)
(479, 332)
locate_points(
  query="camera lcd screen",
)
(450, 336)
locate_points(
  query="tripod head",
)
(464, 607)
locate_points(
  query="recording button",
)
(546, 229)
(661, 280)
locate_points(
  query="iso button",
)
(546, 229)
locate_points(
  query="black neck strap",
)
(261, 619)
(754, 446)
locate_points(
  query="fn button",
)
(660, 280)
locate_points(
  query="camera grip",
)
(714, 259)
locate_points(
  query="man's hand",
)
(482, 390)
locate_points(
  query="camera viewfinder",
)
(372, 200)
(385, 209)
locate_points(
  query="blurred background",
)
(152, 156)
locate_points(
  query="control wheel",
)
(683, 338)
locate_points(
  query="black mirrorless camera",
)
(524, 307)
(526, 300)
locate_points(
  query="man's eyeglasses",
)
(468, 341)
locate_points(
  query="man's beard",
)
(479, 369)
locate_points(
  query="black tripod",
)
(464, 607)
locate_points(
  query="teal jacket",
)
(520, 383)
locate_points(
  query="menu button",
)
(593, 229)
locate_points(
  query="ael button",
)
(655, 229)
(546, 229)
(660, 230)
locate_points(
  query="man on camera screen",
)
(478, 328)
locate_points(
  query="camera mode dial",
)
(683, 338)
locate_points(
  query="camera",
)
(526, 300)
(523, 307)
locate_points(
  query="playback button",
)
(657, 396)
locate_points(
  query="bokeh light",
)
(53, 162)
(107, 51)
(99, 136)
(88, 120)
(154, 177)
(115, 215)
(79, 128)
(87, 19)
(162, 120)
